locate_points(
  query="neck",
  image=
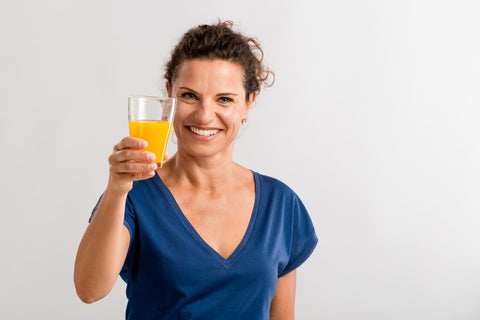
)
(204, 173)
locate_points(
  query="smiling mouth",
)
(203, 133)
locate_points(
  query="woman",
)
(202, 237)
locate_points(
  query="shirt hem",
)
(308, 251)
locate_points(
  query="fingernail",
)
(153, 166)
(151, 156)
(143, 144)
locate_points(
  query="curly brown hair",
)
(220, 41)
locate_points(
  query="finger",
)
(132, 155)
(130, 142)
(134, 167)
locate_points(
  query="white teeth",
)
(204, 133)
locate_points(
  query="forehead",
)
(206, 74)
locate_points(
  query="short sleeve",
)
(129, 222)
(303, 238)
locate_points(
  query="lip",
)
(198, 137)
(203, 128)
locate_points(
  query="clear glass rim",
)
(141, 96)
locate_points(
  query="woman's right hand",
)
(129, 163)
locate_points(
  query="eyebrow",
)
(188, 89)
(218, 94)
(227, 94)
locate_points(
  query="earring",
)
(244, 122)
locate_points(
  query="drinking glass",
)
(150, 118)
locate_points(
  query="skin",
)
(202, 177)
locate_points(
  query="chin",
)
(204, 151)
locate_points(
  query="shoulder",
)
(273, 185)
(147, 188)
(276, 196)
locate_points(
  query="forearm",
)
(279, 316)
(103, 249)
(283, 302)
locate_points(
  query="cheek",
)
(182, 111)
(180, 114)
(230, 117)
(235, 114)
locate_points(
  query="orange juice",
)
(155, 132)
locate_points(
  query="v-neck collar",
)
(227, 263)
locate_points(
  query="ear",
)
(251, 100)
(167, 86)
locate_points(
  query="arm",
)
(283, 302)
(104, 245)
(102, 251)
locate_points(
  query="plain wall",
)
(373, 121)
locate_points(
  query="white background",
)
(373, 121)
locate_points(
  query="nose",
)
(205, 112)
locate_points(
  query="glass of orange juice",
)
(150, 118)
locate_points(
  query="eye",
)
(225, 99)
(188, 96)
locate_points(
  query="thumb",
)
(166, 156)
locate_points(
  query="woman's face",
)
(210, 106)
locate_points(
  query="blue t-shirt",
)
(172, 273)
